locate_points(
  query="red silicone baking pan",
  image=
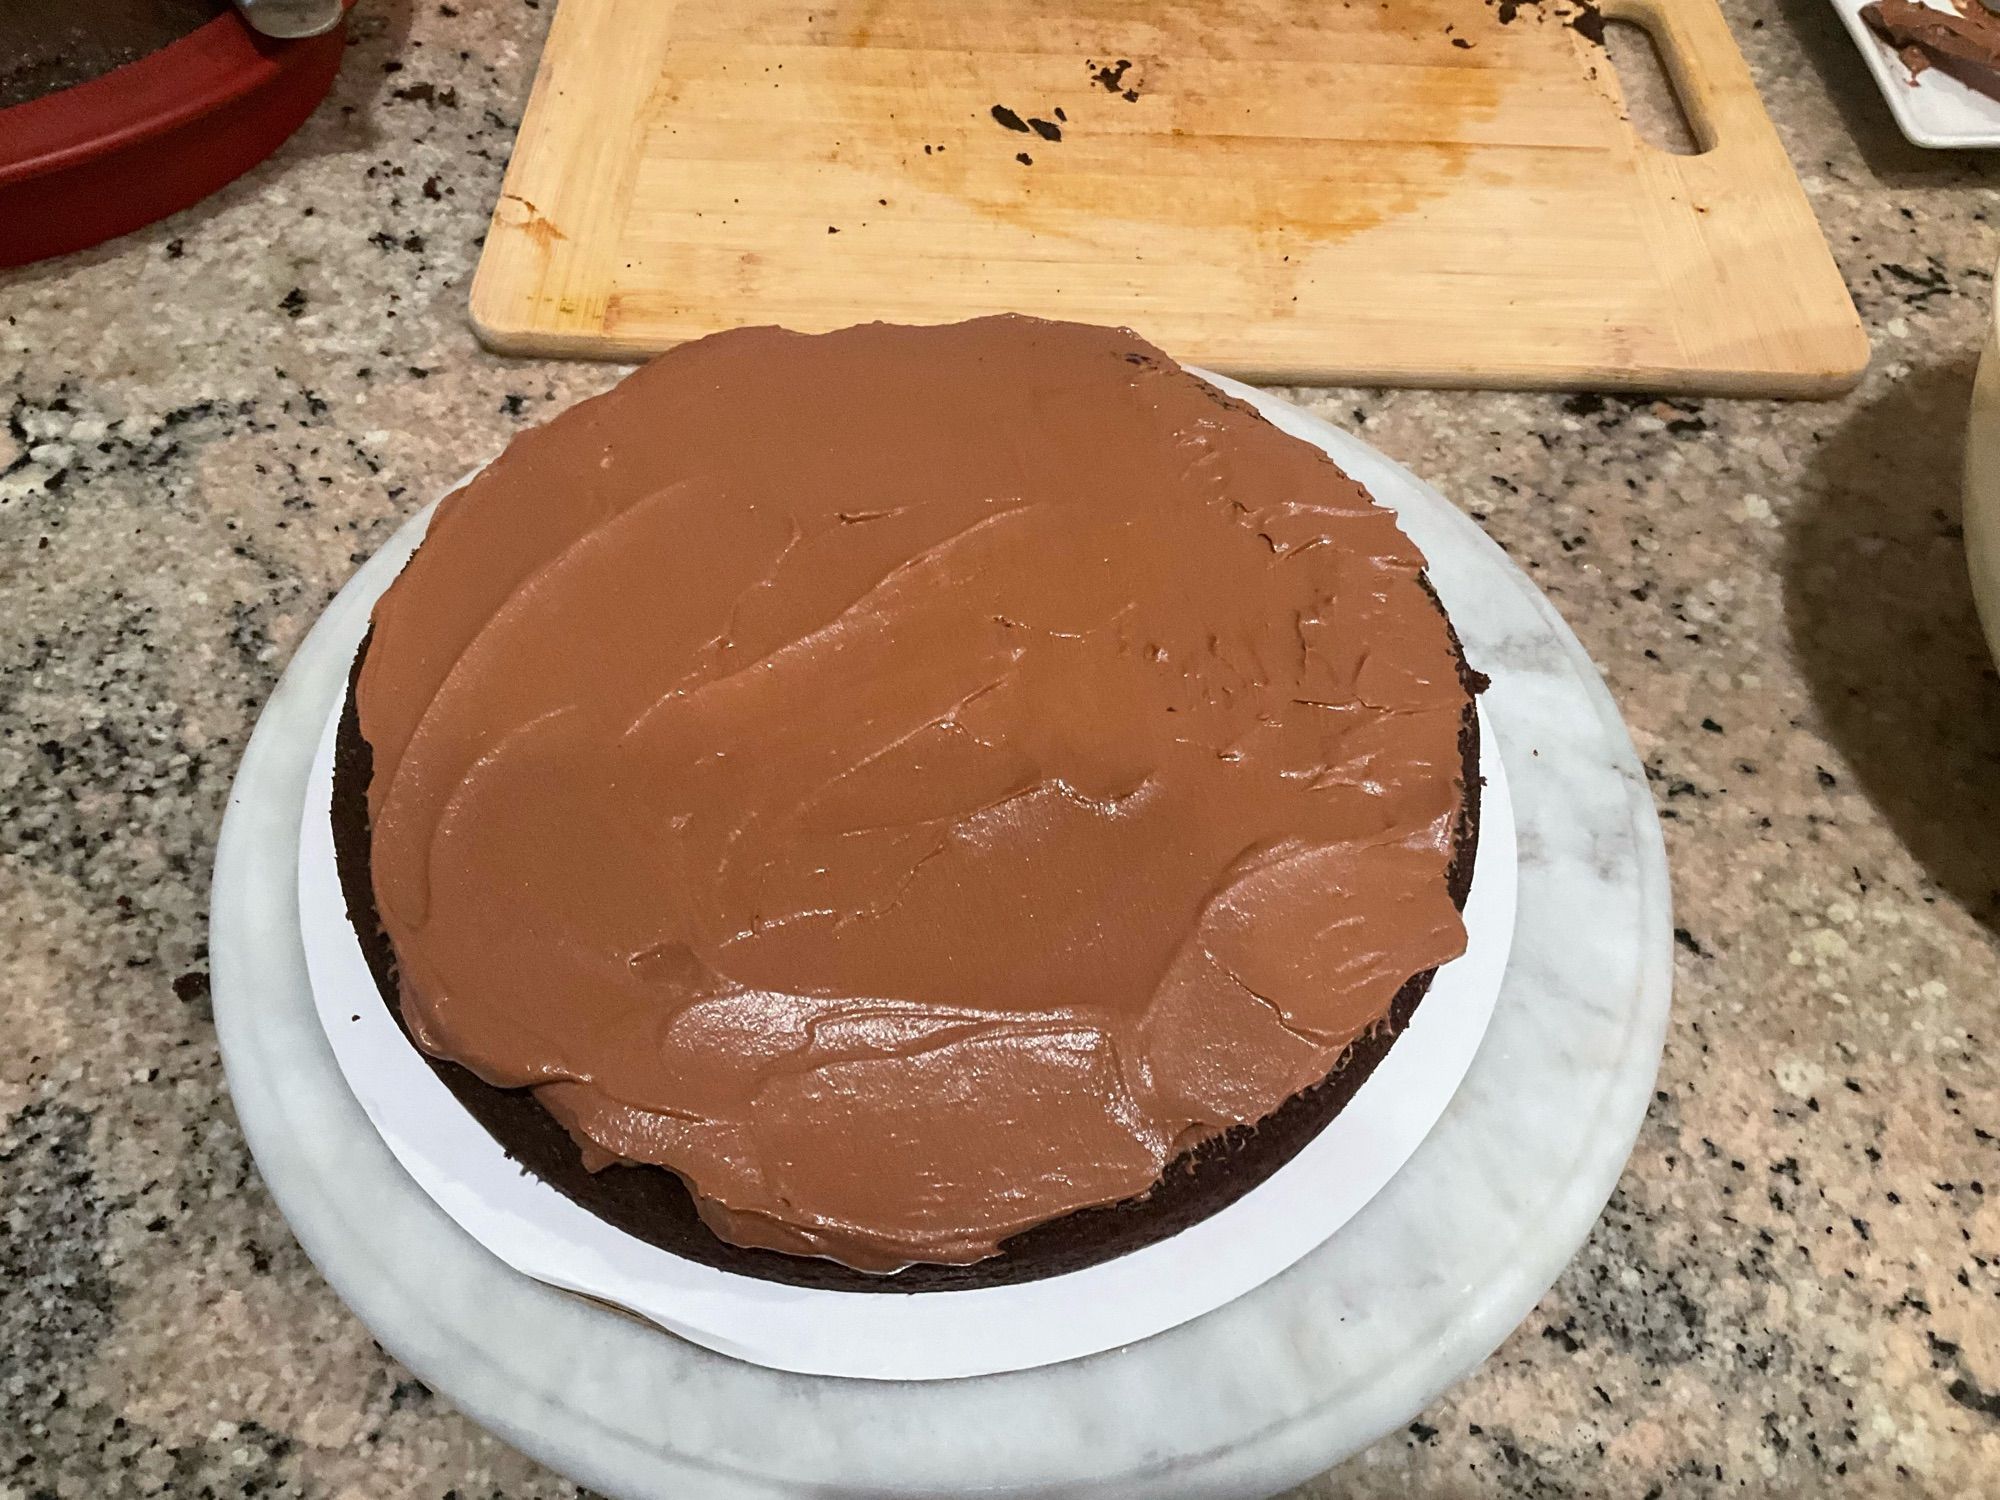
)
(145, 140)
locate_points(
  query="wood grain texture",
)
(1379, 191)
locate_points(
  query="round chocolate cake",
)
(962, 802)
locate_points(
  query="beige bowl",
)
(1982, 487)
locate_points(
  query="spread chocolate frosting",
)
(912, 783)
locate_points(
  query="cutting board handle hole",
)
(1653, 99)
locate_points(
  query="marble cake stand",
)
(1410, 1296)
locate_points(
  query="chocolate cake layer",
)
(933, 818)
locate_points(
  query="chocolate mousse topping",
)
(911, 783)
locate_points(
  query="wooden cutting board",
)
(1438, 192)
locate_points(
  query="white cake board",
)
(1352, 1342)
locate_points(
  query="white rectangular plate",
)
(1936, 110)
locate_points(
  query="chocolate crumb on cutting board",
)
(1048, 130)
(1581, 16)
(1111, 78)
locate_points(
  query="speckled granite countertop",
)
(1796, 1290)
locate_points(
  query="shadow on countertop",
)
(1882, 620)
